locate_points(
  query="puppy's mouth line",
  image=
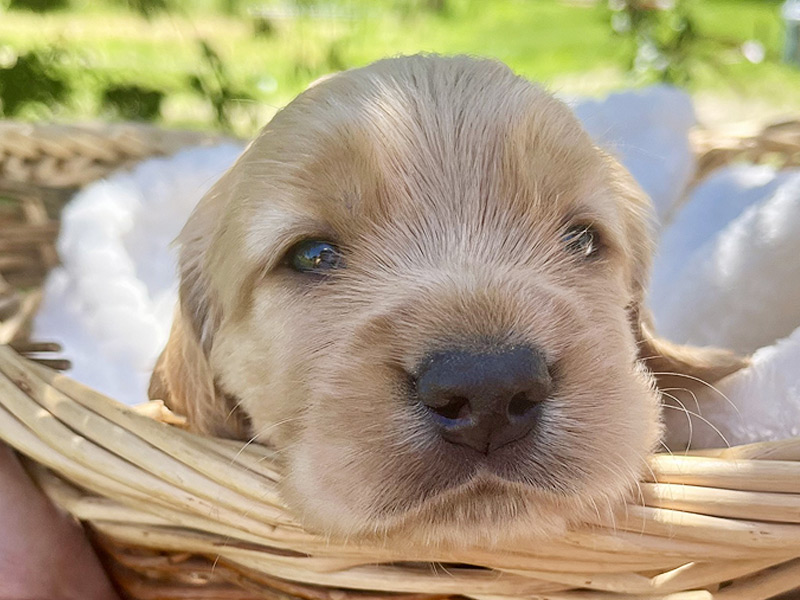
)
(483, 486)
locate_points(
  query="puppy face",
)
(421, 283)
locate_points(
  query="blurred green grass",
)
(569, 46)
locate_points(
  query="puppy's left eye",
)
(581, 240)
(314, 256)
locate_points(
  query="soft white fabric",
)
(110, 304)
(648, 131)
(727, 272)
(761, 402)
(767, 395)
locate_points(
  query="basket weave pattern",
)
(176, 515)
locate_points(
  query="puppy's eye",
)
(314, 256)
(581, 240)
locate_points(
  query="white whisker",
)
(705, 383)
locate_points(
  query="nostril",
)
(456, 408)
(520, 404)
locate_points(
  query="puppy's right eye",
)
(581, 240)
(314, 256)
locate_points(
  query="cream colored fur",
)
(448, 182)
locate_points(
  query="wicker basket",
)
(176, 515)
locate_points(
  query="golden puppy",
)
(422, 283)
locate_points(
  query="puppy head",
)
(422, 283)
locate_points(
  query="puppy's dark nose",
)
(484, 400)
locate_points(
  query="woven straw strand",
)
(45, 406)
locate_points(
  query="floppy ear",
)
(683, 371)
(183, 377)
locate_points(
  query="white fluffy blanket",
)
(111, 302)
(727, 272)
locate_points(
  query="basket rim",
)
(144, 482)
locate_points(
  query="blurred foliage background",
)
(228, 65)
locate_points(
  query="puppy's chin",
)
(487, 512)
(493, 513)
